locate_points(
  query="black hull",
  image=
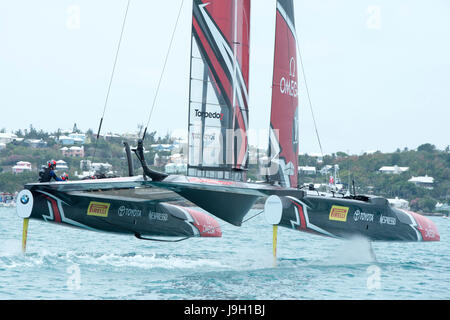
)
(374, 219)
(123, 211)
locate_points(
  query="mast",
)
(283, 138)
(218, 94)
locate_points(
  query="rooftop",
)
(393, 169)
(425, 179)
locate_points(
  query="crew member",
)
(46, 174)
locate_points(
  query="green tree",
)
(19, 133)
(341, 154)
(395, 158)
(426, 147)
(427, 204)
(75, 129)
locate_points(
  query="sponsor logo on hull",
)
(24, 199)
(362, 216)
(388, 220)
(124, 211)
(98, 209)
(158, 216)
(338, 213)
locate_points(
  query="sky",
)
(378, 71)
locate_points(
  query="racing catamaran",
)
(218, 156)
(329, 215)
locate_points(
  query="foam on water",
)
(350, 252)
(10, 247)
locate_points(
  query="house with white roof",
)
(78, 138)
(307, 170)
(424, 181)
(7, 137)
(66, 140)
(36, 143)
(61, 165)
(21, 166)
(393, 169)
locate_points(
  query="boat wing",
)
(227, 200)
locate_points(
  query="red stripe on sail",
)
(223, 14)
(222, 78)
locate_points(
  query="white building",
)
(61, 165)
(307, 170)
(65, 140)
(78, 138)
(36, 143)
(426, 181)
(7, 137)
(393, 169)
(21, 166)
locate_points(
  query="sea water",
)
(69, 263)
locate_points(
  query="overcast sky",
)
(378, 71)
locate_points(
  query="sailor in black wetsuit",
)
(46, 174)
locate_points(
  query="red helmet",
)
(51, 164)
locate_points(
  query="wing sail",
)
(218, 103)
(283, 139)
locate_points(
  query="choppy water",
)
(68, 263)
